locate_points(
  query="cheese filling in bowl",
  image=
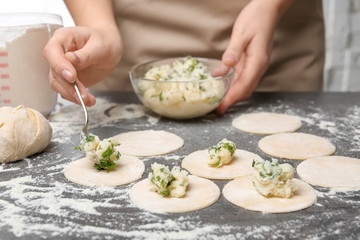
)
(180, 88)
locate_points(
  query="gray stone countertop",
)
(38, 202)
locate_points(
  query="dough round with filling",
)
(197, 164)
(266, 123)
(23, 132)
(297, 146)
(128, 169)
(201, 193)
(242, 193)
(331, 171)
(148, 143)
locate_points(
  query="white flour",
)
(26, 72)
(46, 204)
(70, 120)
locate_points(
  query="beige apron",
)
(153, 29)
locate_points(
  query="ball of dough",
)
(23, 132)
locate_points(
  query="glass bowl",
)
(180, 98)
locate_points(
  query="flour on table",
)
(331, 171)
(266, 123)
(297, 146)
(197, 164)
(69, 120)
(201, 193)
(148, 142)
(127, 170)
(242, 193)
(37, 200)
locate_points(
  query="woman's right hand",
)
(82, 54)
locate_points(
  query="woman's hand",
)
(250, 48)
(82, 54)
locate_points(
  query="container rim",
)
(29, 18)
(227, 75)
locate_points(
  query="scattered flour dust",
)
(22, 195)
(70, 120)
(334, 126)
(19, 196)
(46, 204)
(338, 128)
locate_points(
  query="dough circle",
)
(331, 171)
(266, 123)
(242, 193)
(128, 169)
(23, 132)
(297, 146)
(197, 164)
(201, 193)
(148, 143)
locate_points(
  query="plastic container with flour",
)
(24, 73)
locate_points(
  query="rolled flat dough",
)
(197, 164)
(266, 123)
(242, 193)
(148, 143)
(128, 169)
(297, 146)
(331, 171)
(201, 193)
(23, 132)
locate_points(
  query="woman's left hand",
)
(250, 48)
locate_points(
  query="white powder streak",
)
(62, 200)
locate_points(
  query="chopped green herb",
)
(229, 147)
(202, 77)
(165, 193)
(157, 76)
(107, 153)
(105, 165)
(90, 138)
(215, 164)
(158, 96)
(216, 148)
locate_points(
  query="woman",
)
(274, 45)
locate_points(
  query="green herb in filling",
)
(165, 193)
(105, 165)
(215, 164)
(107, 153)
(158, 96)
(229, 146)
(90, 138)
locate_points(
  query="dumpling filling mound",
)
(103, 152)
(222, 153)
(168, 183)
(273, 179)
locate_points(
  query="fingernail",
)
(229, 60)
(75, 57)
(67, 75)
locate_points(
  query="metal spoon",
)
(84, 132)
